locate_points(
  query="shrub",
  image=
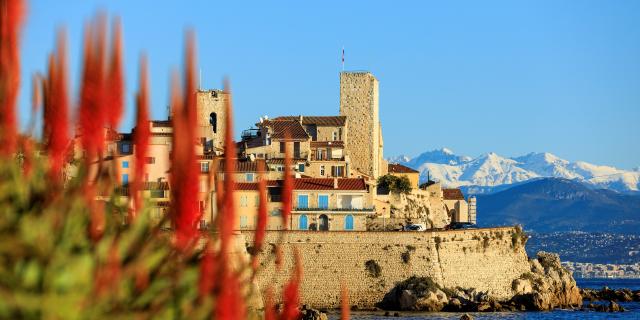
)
(394, 184)
(373, 268)
(406, 257)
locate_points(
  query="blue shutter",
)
(348, 222)
(125, 178)
(303, 222)
(323, 202)
(303, 201)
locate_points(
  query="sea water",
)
(633, 308)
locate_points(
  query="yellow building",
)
(399, 170)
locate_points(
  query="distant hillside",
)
(553, 204)
(491, 172)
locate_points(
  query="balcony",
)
(314, 157)
(364, 209)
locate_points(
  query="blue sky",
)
(475, 76)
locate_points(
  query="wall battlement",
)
(484, 259)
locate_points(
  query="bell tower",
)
(212, 116)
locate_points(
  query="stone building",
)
(359, 103)
(399, 170)
(460, 211)
(212, 117)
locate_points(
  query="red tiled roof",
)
(248, 186)
(329, 121)
(281, 160)
(398, 168)
(290, 129)
(323, 144)
(452, 194)
(327, 184)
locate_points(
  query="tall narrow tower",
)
(212, 119)
(359, 102)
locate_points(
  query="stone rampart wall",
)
(484, 259)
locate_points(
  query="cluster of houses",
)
(336, 161)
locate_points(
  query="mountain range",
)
(491, 172)
(559, 205)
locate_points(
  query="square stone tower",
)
(359, 102)
(212, 118)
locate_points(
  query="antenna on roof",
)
(200, 80)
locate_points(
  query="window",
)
(348, 222)
(202, 186)
(322, 170)
(249, 177)
(301, 167)
(125, 178)
(303, 201)
(303, 223)
(340, 134)
(150, 160)
(157, 193)
(243, 222)
(337, 171)
(282, 146)
(213, 121)
(125, 147)
(280, 168)
(257, 202)
(323, 201)
(243, 201)
(335, 136)
(125, 164)
(204, 167)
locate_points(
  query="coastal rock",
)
(432, 301)
(415, 294)
(551, 285)
(466, 317)
(312, 314)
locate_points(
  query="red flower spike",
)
(141, 135)
(344, 303)
(56, 108)
(207, 271)
(12, 14)
(227, 211)
(287, 187)
(269, 309)
(262, 217)
(230, 303)
(115, 86)
(184, 169)
(291, 294)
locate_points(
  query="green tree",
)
(394, 184)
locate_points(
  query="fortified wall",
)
(371, 263)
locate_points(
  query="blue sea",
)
(633, 308)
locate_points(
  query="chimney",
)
(300, 119)
(335, 183)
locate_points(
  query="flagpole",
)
(342, 58)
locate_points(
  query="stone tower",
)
(359, 102)
(212, 117)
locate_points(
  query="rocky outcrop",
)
(547, 286)
(307, 313)
(619, 295)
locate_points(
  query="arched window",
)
(348, 222)
(213, 121)
(303, 222)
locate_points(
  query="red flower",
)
(11, 18)
(56, 130)
(262, 217)
(141, 135)
(184, 172)
(291, 294)
(115, 86)
(344, 304)
(287, 187)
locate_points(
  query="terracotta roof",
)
(452, 194)
(322, 144)
(329, 121)
(248, 186)
(243, 166)
(281, 161)
(290, 129)
(161, 123)
(327, 184)
(398, 168)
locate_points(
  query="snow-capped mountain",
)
(489, 171)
